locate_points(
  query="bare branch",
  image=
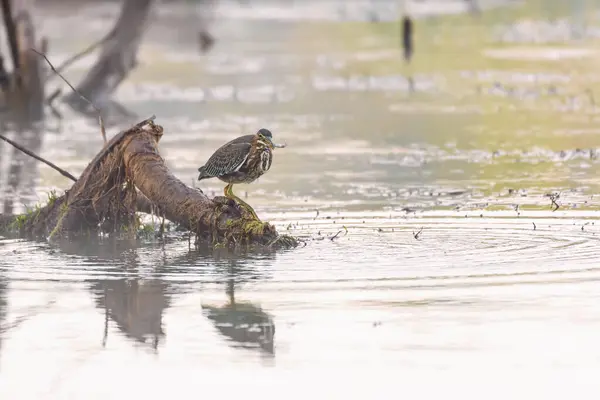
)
(100, 120)
(31, 154)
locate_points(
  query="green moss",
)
(253, 233)
(52, 197)
(19, 222)
(64, 207)
(254, 227)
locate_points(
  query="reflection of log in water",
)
(136, 306)
(245, 324)
(21, 171)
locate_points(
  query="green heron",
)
(242, 160)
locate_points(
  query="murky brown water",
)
(449, 271)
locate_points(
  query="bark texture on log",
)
(105, 199)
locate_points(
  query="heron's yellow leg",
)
(229, 194)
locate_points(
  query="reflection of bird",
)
(244, 323)
(242, 160)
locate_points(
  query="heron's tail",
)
(202, 174)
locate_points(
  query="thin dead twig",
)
(100, 120)
(31, 154)
(335, 236)
(332, 238)
(50, 101)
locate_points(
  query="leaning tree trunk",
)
(115, 62)
(105, 199)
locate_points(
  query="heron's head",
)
(266, 136)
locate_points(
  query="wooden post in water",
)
(407, 38)
(407, 35)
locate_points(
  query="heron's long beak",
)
(279, 146)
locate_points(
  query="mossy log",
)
(129, 175)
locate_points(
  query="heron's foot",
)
(243, 204)
(250, 210)
(229, 194)
(247, 207)
(226, 201)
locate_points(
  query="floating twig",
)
(553, 198)
(335, 236)
(416, 235)
(100, 120)
(534, 227)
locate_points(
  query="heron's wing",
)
(227, 159)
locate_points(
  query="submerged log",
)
(105, 199)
